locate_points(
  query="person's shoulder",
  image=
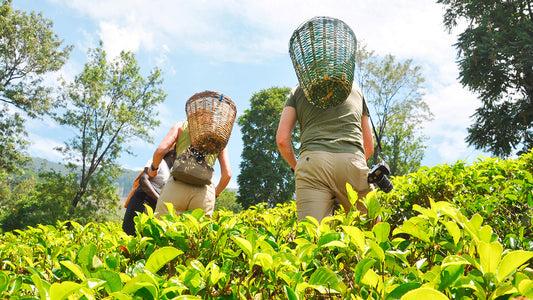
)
(356, 89)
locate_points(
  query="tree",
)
(495, 60)
(394, 94)
(228, 200)
(107, 104)
(29, 49)
(264, 176)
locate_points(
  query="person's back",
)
(336, 129)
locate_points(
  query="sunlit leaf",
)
(424, 293)
(510, 263)
(454, 231)
(356, 235)
(361, 268)
(400, 290)
(160, 257)
(85, 256)
(324, 280)
(74, 269)
(381, 232)
(489, 256)
(243, 244)
(62, 290)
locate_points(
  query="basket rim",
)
(212, 94)
(316, 18)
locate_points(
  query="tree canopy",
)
(394, 91)
(495, 60)
(107, 104)
(264, 176)
(29, 49)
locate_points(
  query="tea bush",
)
(427, 249)
(501, 191)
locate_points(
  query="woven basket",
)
(210, 116)
(322, 51)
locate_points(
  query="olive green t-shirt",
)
(336, 129)
(184, 141)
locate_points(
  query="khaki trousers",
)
(184, 197)
(321, 179)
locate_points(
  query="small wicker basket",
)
(322, 51)
(210, 116)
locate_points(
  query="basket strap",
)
(221, 97)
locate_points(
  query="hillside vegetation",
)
(449, 232)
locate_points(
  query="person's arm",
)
(165, 145)
(286, 125)
(146, 185)
(368, 139)
(225, 170)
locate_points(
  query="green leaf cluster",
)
(500, 191)
(494, 58)
(264, 175)
(265, 253)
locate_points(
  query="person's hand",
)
(152, 171)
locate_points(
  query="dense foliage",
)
(495, 60)
(264, 175)
(29, 49)
(108, 104)
(500, 191)
(393, 90)
(437, 252)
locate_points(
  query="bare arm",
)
(165, 145)
(225, 170)
(286, 125)
(146, 185)
(368, 139)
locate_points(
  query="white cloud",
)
(44, 148)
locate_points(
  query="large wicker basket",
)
(210, 116)
(322, 51)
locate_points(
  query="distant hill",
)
(124, 181)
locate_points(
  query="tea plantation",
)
(448, 232)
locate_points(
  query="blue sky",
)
(239, 47)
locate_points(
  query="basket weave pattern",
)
(210, 118)
(322, 51)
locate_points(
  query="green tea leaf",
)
(377, 250)
(4, 281)
(511, 262)
(489, 256)
(454, 231)
(291, 295)
(424, 293)
(264, 260)
(112, 279)
(361, 268)
(324, 280)
(414, 230)
(328, 237)
(160, 257)
(85, 256)
(381, 231)
(140, 281)
(352, 194)
(399, 291)
(62, 290)
(448, 275)
(454, 260)
(244, 244)
(526, 288)
(74, 269)
(356, 236)
(39, 284)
